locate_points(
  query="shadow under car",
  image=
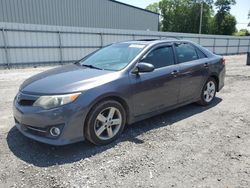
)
(44, 155)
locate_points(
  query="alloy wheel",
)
(209, 91)
(108, 123)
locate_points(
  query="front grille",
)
(26, 102)
(41, 130)
(36, 131)
(33, 130)
(24, 99)
(44, 132)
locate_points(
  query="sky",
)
(240, 10)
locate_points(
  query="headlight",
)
(48, 102)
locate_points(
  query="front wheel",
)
(208, 92)
(105, 122)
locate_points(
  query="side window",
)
(160, 57)
(185, 52)
(200, 54)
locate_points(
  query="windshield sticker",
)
(136, 46)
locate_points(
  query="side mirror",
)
(143, 67)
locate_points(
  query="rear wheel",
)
(208, 92)
(105, 122)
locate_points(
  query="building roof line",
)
(118, 2)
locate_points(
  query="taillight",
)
(223, 61)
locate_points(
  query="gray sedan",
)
(119, 84)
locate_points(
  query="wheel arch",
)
(110, 97)
(215, 76)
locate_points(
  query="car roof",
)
(166, 40)
(153, 41)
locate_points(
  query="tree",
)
(224, 5)
(224, 22)
(242, 32)
(228, 25)
(249, 17)
(206, 16)
(184, 15)
(154, 7)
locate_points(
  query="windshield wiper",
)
(91, 66)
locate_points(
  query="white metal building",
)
(79, 13)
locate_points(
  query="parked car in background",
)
(119, 84)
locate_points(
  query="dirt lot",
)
(192, 146)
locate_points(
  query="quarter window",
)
(185, 52)
(160, 57)
(200, 54)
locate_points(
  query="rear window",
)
(185, 52)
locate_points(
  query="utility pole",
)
(201, 13)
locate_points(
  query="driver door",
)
(158, 89)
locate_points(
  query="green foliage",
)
(242, 32)
(249, 17)
(154, 7)
(225, 25)
(184, 16)
(224, 5)
(224, 22)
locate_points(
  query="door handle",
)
(174, 73)
(205, 65)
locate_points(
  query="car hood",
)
(67, 79)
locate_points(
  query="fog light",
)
(54, 131)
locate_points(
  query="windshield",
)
(114, 57)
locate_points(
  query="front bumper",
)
(35, 122)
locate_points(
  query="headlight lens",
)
(48, 102)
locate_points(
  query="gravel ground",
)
(192, 146)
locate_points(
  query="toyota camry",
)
(119, 84)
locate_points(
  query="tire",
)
(105, 122)
(208, 92)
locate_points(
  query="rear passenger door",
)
(193, 70)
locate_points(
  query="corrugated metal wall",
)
(78, 13)
(32, 44)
